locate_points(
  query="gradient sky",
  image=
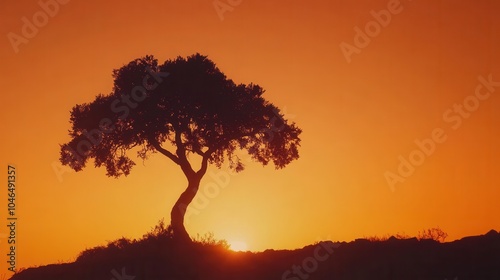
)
(358, 118)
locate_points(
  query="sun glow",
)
(238, 246)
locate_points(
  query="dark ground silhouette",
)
(158, 256)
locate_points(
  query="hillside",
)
(157, 257)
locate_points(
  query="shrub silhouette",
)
(158, 241)
(208, 239)
(386, 237)
(435, 234)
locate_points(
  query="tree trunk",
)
(179, 209)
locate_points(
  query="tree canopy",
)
(183, 106)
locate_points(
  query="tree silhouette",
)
(184, 106)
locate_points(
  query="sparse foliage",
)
(159, 238)
(159, 230)
(433, 233)
(375, 238)
(208, 239)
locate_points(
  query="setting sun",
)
(238, 246)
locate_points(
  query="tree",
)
(183, 107)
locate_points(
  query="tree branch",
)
(199, 152)
(181, 155)
(204, 166)
(165, 152)
(181, 151)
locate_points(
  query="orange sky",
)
(357, 118)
